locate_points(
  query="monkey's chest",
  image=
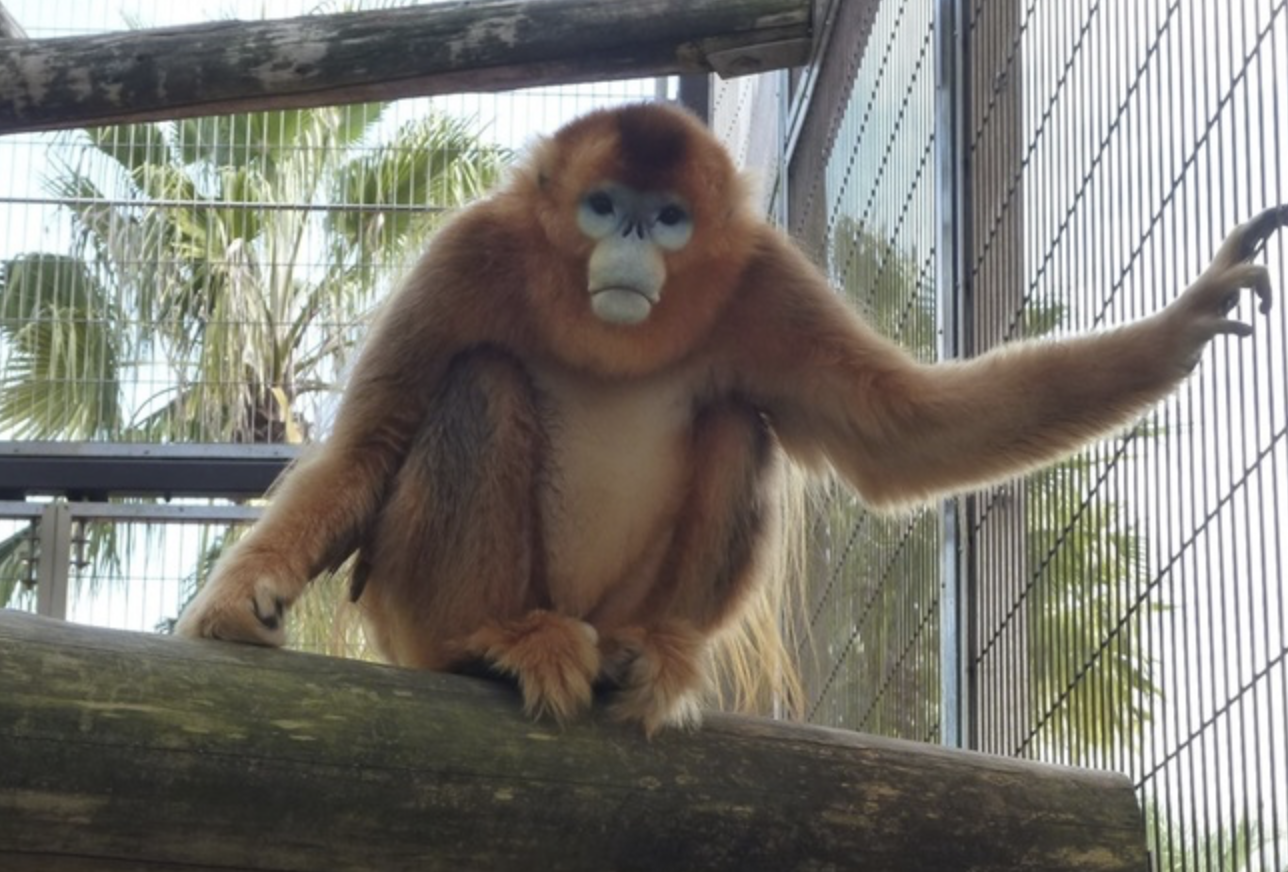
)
(618, 471)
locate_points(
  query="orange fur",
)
(554, 658)
(522, 475)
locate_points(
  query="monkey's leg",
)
(660, 659)
(454, 569)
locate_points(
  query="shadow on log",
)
(128, 751)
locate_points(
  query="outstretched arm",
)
(903, 431)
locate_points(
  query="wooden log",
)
(486, 45)
(127, 751)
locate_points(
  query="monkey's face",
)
(644, 235)
(631, 232)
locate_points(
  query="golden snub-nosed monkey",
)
(557, 452)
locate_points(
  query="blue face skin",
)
(632, 229)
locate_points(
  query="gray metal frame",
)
(953, 273)
(55, 530)
(97, 471)
(82, 478)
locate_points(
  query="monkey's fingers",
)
(1253, 234)
(1255, 277)
(254, 620)
(1222, 300)
(239, 604)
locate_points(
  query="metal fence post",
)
(952, 179)
(53, 571)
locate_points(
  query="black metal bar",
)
(96, 471)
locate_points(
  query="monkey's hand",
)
(1202, 312)
(244, 601)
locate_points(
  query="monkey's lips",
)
(621, 305)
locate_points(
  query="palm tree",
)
(220, 272)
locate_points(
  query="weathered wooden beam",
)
(485, 45)
(128, 751)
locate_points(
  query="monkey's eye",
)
(600, 211)
(672, 223)
(600, 203)
(672, 215)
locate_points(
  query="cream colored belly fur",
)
(618, 469)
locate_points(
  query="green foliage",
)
(888, 286)
(431, 161)
(203, 267)
(1090, 683)
(60, 377)
(16, 573)
(875, 626)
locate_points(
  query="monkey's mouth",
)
(621, 305)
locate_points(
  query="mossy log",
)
(322, 60)
(124, 751)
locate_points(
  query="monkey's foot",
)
(555, 659)
(244, 601)
(661, 673)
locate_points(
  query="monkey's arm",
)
(903, 431)
(324, 503)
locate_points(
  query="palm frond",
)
(16, 571)
(1089, 567)
(133, 147)
(436, 161)
(60, 378)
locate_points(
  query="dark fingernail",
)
(1261, 227)
(273, 621)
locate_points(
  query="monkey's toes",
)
(554, 657)
(662, 680)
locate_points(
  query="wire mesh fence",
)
(1148, 601)
(1126, 608)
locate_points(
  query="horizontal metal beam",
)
(97, 471)
(163, 513)
(19, 510)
